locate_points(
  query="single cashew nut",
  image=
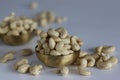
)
(7, 57)
(99, 49)
(20, 62)
(63, 71)
(23, 68)
(59, 46)
(53, 33)
(91, 61)
(113, 60)
(83, 71)
(35, 70)
(54, 53)
(51, 43)
(103, 65)
(43, 34)
(108, 49)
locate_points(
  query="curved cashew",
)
(63, 32)
(35, 70)
(59, 46)
(23, 68)
(53, 33)
(103, 65)
(108, 49)
(90, 60)
(20, 62)
(52, 43)
(63, 71)
(113, 60)
(43, 34)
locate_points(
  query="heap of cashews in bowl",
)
(20, 28)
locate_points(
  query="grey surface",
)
(96, 22)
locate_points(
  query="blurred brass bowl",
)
(17, 40)
(57, 61)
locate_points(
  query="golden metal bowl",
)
(17, 40)
(57, 61)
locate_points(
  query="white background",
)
(96, 22)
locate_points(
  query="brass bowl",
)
(17, 40)
(57, 61)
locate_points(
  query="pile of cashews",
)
(58, 42)
(12, 25)
(100, 59)
(45, 18)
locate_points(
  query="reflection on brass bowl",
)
(57, 61)
(17, 40)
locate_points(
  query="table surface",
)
(96, 22)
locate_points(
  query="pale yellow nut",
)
(51, 43)
(78, 40)
(63, 33)
(34, 5)
(105, 57)
(67, 47)
(13, 33)
(63, 71)
(66, 52)
(108, 49)
(95, 56)
(113, 60)
(83, 62)
(43, 22)
(54, 53)
(35, 70)
(21, 62)
(26, 26)
(59, 46)
(7, 57)
(82, 54)
(91, 61)
(4, 30)
(57, 39)
(23, 68)
(75, 47)
(24, 32)
(43, 34)
(13, 25)
(66, 40)
(50, 14)
(33, 26)
(53, 33)
(84, 72)
(103, 65)
(27, 52)
(99, 49)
